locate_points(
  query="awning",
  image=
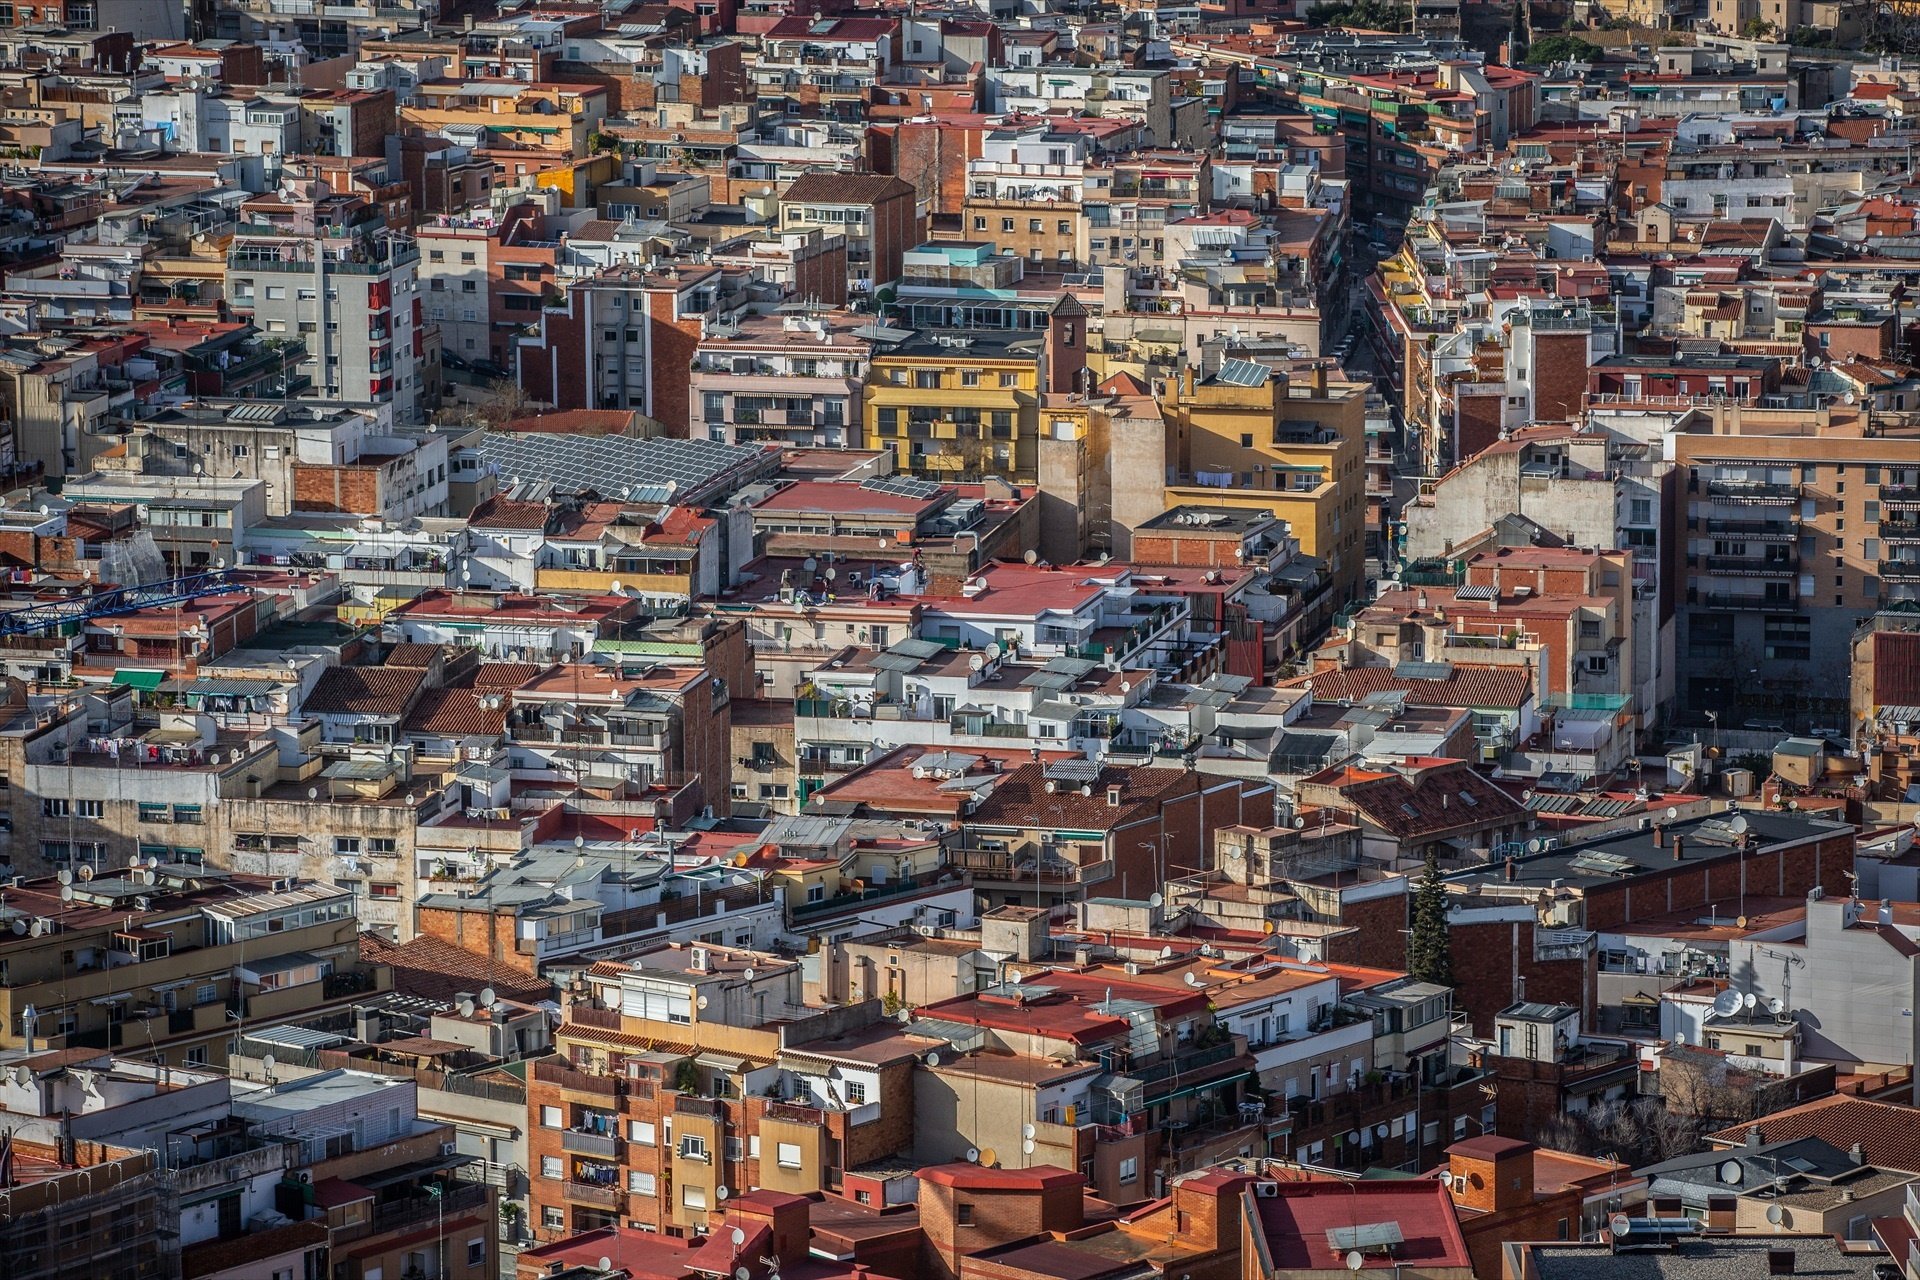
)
(138, 678)
(1153, 1099)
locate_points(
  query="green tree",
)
(1429, 952)
(1563, 48)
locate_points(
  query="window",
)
(788, 1155)
(642, 1184)
(553, 1218)
(693, 1147)
(1009, 379)
(549, 1166)
(816, 893)
(963, 1215)
(1130, 1169)
(856, 1093)
(56, 808)
(550, 1118)
(382, 844)
(640, 1131)
(1033, 225)
(383, 889)
(91, 809)
(1006, 224)
(692, 1197)
(206, 993)
(476, 1252)
(346, 845)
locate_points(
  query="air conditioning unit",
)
(447, 1148)
(1267, 1190)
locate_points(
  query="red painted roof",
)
(1297, 1220)
(973, 1177)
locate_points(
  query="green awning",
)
(137, 678)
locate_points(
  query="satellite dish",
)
(1536, 845)
(66, 893)
(605, 1263)
(1193, 979)
(1775, 1214)
(1620, 1224)
(19, 928)
(1727, 1003)
(1355, 1260)
(721, 1193)
(86, 873)
(701, 1002)
(1749, 1000)
(1673, 813)
(1738, 824)
(748, 975)
(741, 1273)
(1741, 922)
(1299, 823)
(738, 1237)
(809, 564)
(65, 876)
(616, 586)
(1026, 1131)
(1156, 900)
(1731, 1173)
(466, 1007)
(1776, 1006)
(1166, 953)
(904, 1017)
(933, 1059)
(1027, 1146)
(988, 1157)
(973, 1155)
(269, 1062)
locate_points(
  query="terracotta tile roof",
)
(366, 691)
(843, 188)
(214, 1256)
(456, 713)
(1464, 687)
(504, 513)
(1888, 1133)
(437, 970)
(1021, 798)
(1432, 802)
(413, 655)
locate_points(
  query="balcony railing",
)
(1764, 530)
(582, 1142)
(606, 1197)
(1772, 566)
(1752, 491)
(1902, 569)
(1748, 600)
(1900, 530)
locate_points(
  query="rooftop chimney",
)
(1512, 871)
(1679, 847)
(1857, 1153)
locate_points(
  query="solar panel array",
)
(656, 470)
(1475, 591)
(1073, 771)
(1243, 373)
(902, 487)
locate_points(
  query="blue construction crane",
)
(115, 600)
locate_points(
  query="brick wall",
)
(1476, 420)
(1376, 938)
(352, 489)
(1494, 967)
(672, 345)
(1779, 872)
(1559, 375)
(484, 933)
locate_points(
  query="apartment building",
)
(1251, 436)
(484, 278)
(743, 1086)
(796, 380)
(307, 267)
(1024, 194)
(1796, 528)
(163, 960)
(879, 217)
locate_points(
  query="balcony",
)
(1900, 495)
(1900, 530)
(1784, 566)
(1749, 600)
(1754, 530)
(582, 1142)
(1900, 570)
(605, 1197)
(1755, 491)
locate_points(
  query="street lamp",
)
(440, 1249)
